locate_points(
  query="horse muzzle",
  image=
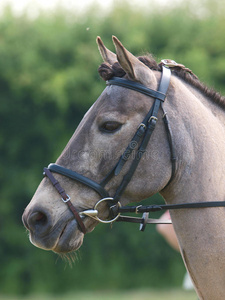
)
(62, 237)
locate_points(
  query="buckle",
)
(137, 207)
(169, 63)
(142, 125)
(153, 118)
(67, 199)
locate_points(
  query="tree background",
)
(48, 79)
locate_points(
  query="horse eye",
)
(110, 126)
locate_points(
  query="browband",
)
(135, 86)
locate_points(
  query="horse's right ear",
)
(107, 55)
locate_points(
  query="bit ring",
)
(106, 221)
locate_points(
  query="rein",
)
(139, 144)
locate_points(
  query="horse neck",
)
(200, 147)
(198, 129)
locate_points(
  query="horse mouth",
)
(64, 238)
(69, 239)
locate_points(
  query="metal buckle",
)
(67, 199)
(136, 210)
(142, 125)
(169, 63)
(152, 118)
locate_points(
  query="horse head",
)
(94, 150)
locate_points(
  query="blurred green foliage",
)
(48, 79)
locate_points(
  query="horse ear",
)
(106, 54)
(135, 69)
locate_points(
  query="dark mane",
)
(108, 71)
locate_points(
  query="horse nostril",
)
(37, 221)
(38, 218)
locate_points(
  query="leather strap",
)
(149, 124)
(135, 86)
(65, 198)
(141, 220)
(76, 176)
(163, 88)
(154, 208)
(171, 145)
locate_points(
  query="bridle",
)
(137, 145)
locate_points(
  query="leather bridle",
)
(137, 145)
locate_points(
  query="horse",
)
(109, 162)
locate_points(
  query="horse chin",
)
(63, 239)
(70, 239)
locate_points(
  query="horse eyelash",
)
(117, 126)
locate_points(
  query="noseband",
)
(138, 144)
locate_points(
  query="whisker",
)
(69, 258)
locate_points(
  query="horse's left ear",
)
(107, 55)
(135, 69)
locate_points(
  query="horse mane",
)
(107, 71)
